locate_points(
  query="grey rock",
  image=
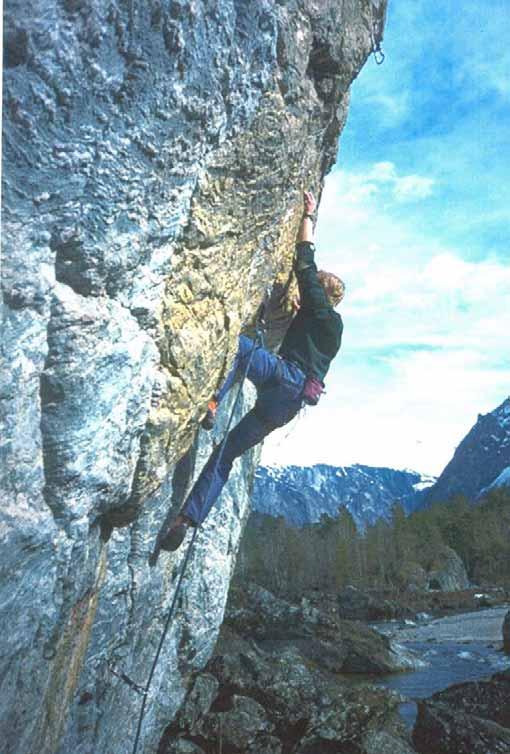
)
(334, 645)
(257, 613)
(239, 726)
(441, 730)
(346, 725)
(448, 572)
(266, 745)
(489, 698)
(285, 687)
(383, 742)
(303, 708)
(412, 576)
(404, 658)
(368, 652)
(355, 604)
(470, 717)
(140, 141)
(199, 701)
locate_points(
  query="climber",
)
(283, 382)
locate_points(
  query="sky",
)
(414, 218)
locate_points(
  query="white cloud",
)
(381, 181)
(476, 282)
(412, 187)
(391, 108)
(382, 172)
(404, 188)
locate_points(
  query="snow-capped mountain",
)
(481, 461)
(303, 494)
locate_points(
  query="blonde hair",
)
(333, 286)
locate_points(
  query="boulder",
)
(383, 742)
(266, 745)
(369, 652)
(266, 707)
(354, 604)
(412, 576)
(442, 730)
(470, 717)
(239, 721)
(199, 700)
(339, 646)
(257, 613)
(448, 572)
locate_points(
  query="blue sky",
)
(415, 218)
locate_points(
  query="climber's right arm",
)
(311, 293)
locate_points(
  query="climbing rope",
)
(144, 690)
(291, 427)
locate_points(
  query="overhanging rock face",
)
(154, 156)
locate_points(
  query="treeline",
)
(395, 554)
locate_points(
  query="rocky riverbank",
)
(316, 634)
(296, 678)
(281, 682)
(388, 604)
(470, 709)
(485, 625)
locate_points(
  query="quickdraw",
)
(127, 680)
(376, 29)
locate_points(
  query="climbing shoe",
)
(174, 537)
(210, 417)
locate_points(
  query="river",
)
(456, 648)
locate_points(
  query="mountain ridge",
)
(303, 494)
(479, 459)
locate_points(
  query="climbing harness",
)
(144, 690)
(376, 30)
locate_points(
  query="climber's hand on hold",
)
(309, 203)
(305, 232)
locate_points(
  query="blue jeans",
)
(279, 386)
